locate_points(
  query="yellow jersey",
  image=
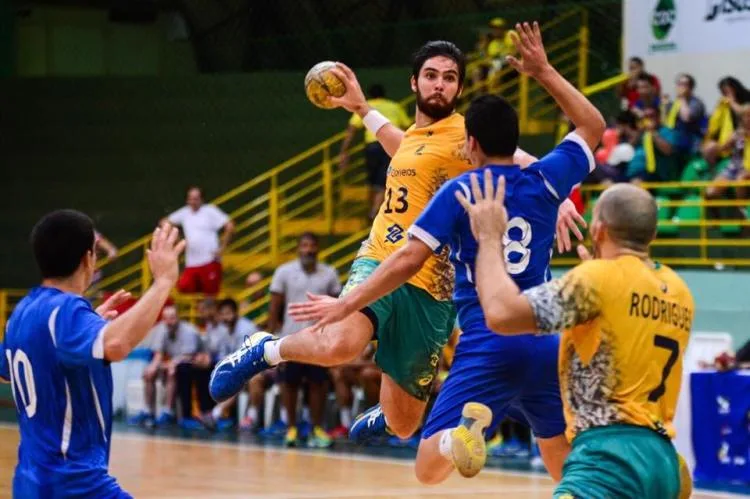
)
(425, 160)
(626, 327)
(388, 108)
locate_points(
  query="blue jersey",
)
(53, 356)
(532, 198)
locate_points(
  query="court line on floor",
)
(421, 491)
(251, 447)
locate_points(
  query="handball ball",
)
(320, 82)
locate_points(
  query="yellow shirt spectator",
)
(390, 109)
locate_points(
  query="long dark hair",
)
(741, 93)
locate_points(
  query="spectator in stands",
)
(629, 90)
(174, 343)
(613, 158)
(291, 283)
(105, 245)
(654, 159)
(362, 372)
(376, 159)
(200, 224)
(686, 116)
(257, 293)
(724, 119)
(648, 96)
(738, 167)
(501, 44)
(208, 316)
(221, 342)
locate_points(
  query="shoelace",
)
(373, 418)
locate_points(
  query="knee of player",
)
(403, 429)
(426, 474)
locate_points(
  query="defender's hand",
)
(528, 40)
(324, 309)
(568, 220)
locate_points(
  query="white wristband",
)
(374, 121)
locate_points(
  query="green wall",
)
(125, 149)
(83, 42)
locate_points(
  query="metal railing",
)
(309, 191)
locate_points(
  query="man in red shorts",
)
(201, 224)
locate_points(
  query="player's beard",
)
(435, 108)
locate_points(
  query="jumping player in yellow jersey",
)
(627, 320)
(413, 323)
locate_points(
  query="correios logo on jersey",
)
(663, 20)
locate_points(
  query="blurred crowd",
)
(670, 135)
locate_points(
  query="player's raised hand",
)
(163, 257)
(321, 308)
(528, 40)
(487, 213)
(107, 309)
(354, 99)
(583, 253)
(568, 220)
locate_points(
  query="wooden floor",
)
(153, 467)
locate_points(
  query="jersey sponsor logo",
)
(395, 233)
(652, 307)
(403, 172)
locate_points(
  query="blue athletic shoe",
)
(369, 425)
(233, 372)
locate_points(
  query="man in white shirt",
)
(201, 224)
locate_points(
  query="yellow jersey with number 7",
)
(426, 158)
(622, 362)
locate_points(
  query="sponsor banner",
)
(654, 27)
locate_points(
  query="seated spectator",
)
(654, 159)
(616, 153)
(648, 96)
(290, 284)
(252, 282)
(219, 343)
(629, 90)
(362, 372)
(175, 343)
(724, 119)
(738, 167)
(207, 316)
(686, 115)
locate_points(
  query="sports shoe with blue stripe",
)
(230, 375)
(369, 425)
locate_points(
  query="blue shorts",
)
(67, 486)
(514, 376)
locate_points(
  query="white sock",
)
(272, 351)
(446, 443)
(252, 413)
(283, 416)
(345, 413)
(217, 412)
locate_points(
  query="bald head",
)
(629, 216)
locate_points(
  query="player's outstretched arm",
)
(354, 101)
(585, 116)
(128, 330)
(392, 273)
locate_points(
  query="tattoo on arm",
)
(562, 304)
